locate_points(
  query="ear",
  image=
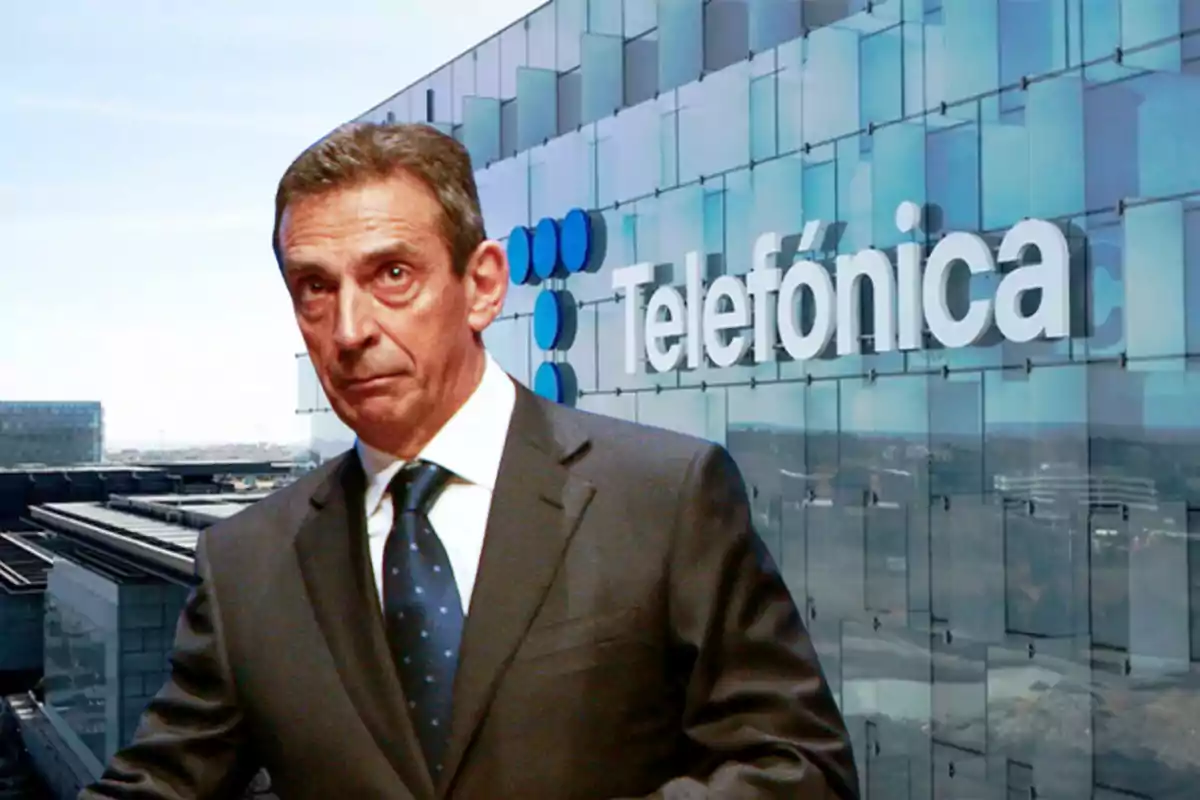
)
(486, 280)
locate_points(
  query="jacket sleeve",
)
(758, 710)
(191, 743)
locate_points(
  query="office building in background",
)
(930, 269)
(51, 434)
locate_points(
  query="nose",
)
(355, 328)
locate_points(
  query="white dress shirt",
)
(469, 445)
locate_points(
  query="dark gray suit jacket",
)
(628, 637)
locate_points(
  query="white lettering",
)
(812, 276)
(732, 315)
(631, 279)
(762, 282)
(664, 321)
(726, 350)
(973, 251)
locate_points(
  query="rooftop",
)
(23, 566)
(158, 532)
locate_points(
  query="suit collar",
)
(536, 508)
(331, 550)
(535, 511)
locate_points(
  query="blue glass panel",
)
(1191, 241)
(1154, 307)
(1004, 162)
(1032, 38)
(1146, 23)
(570, 24)
(831, 85)
(1104, 287)
(604, 17)
(773, 22)
(603, 71)
(952, 160)
(537, 106)
(640, 16)
(680, 42)
(559, 176)
(1166, 161)
(487, 68)
(763, 129)
(514, 55)
(769, 199)
(481, 130)
(541, 33)
(882, 76)
(630, 153)
(912, 37)
(1054, 120)
(714, 123)
(789, 81)
(504, 194)
(972, 48)
(898, 175)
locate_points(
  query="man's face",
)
(390, 328)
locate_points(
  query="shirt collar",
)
(469, 445)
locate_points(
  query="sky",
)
(140, 146)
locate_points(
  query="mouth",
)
(368, 384)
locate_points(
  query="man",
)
(491, 596)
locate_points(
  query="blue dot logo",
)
(554, 249)
(520, 254)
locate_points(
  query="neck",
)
(459, 387)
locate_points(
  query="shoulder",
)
(274, 518)
(639, 451)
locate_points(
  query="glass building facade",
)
(994, 545)
(53, 434)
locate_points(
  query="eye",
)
(393, 272)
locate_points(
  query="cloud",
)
(273, 124)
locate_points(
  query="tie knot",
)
(417, 484)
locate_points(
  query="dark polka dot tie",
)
(423, 607)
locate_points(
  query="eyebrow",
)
(394, 250)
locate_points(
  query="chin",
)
(376, 418)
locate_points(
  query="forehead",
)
(361, 215)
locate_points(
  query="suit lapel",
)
(536, 507)
(331, 547)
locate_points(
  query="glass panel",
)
(604, 17)
(443, 95)
(726, 33)
(773, 22)
(504, 195)
(680, 42)
(688, 411)
(542, 39)
(514, 54)
(464, 85)
(537, 106)
(571, 22)
(882, 74)
(603, 75)
(1154, 252)
(641, 69)
(640, 16)
(790, 87)
(1054, 121)
(630, 154)
(714, 123)
(763, 128)
(831, 85)
(898, 176)
(1033, 38)
(972, 48)
(561, 176)
(481, 130)
(487, 68)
